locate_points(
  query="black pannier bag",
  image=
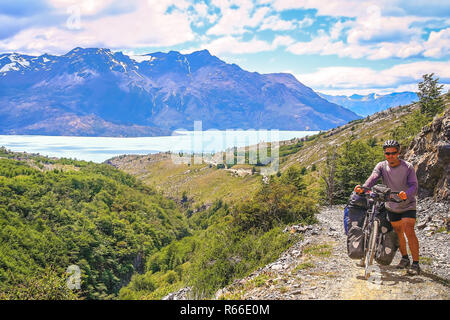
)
(357, 207)
(355, 242)
(387, 242)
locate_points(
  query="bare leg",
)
(398, 227)
(413, 242)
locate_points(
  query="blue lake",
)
(99, 149)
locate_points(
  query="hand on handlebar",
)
(358, 189)
(402, 195)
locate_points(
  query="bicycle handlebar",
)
(373, 194)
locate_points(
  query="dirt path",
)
(318, 268)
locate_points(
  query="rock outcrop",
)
(430, 154)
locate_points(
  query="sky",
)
(338, 47)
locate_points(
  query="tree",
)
(293, 175)
(354, 164)
(328, 174)
(429, 93)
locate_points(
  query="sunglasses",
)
(390, 153)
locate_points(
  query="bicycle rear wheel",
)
(371, 249)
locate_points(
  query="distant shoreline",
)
(99, 149)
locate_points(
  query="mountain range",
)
(97, 92)
(371, 103)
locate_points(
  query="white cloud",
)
(335, 8)
(234, 45)
(373, 27)
(358, 8)
(380, 30)
(306, 22)
(275, 23)
(201, 9)
(392, 37)
(150, 25)
(323, 45)
(438, 44)
(402, 77)
(87, 7)
(234, 21)
(230, 44)
(282, 41)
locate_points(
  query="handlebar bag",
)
(356, 200)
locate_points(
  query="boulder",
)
(429, 152)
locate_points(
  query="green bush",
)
(46, 285)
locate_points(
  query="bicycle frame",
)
(371, 233)
(371, 215)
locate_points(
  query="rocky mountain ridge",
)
(365, 105)
(94, 91)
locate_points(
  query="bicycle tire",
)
(371, 249)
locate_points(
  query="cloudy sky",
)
(333, 46)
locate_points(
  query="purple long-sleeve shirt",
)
(400, 178)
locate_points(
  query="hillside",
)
(202, 183)
(59, 212)
(97, 92)
(313, 273)
(312, 268)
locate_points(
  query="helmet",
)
(391, 144)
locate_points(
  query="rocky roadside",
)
(318, 267)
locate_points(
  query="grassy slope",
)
(376, 126)
(202, 182)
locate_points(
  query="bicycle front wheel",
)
(371, 249)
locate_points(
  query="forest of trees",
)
(96, 217)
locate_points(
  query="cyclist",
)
(399, 175)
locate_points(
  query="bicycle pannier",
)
(388, 242)
(357, 207)
(387, 247)
(346, 219)
(355, 242)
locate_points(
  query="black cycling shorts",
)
(395, 216)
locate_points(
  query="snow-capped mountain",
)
(371, 103)
(96, 91)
